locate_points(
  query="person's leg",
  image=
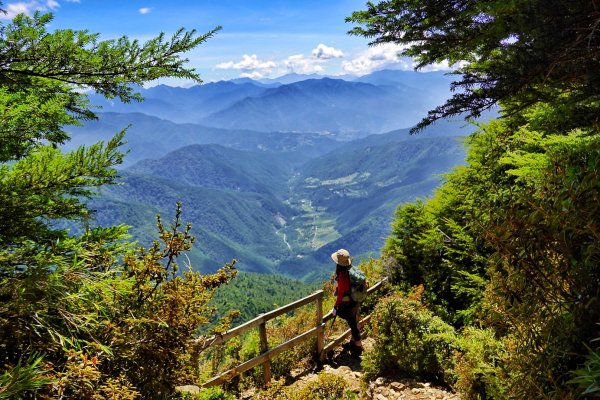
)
(350, 313)
(356, 338)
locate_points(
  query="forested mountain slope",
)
(151, 137)
(325, 105)
(272, 215)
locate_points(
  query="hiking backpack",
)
(358, 285)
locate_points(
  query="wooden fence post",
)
(320, 327)
(264, 347)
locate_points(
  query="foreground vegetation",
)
(93, 315)
(507, 250)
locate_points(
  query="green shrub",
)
(116, 323)
(410, 340)
(23, 377)
(477, 365)
(214, 393)
(588, 377)
(325, 387)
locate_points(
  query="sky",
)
(259, 38)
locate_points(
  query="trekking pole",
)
(327, 335)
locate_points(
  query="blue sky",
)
(259, 39)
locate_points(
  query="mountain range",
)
(280, 197)
(376, 103)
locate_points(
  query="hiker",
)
(345, 307)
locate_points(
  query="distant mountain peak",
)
(291, 78)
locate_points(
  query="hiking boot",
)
(356, 351)
(349, 346)
(352, 347)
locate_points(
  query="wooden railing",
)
(266, 353)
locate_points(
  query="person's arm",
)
(343, 286)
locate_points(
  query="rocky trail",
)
(343, 364)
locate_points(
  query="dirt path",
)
(347, 366)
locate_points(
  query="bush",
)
(213, 393)
(23, 377)
(325, 387)
(110, 320)
(410, 340)
(477, 365)
(588, 377)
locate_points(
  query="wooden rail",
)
(266, 353)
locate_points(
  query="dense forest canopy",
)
(510, 244)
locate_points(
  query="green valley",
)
(274, 216)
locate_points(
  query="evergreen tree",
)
(517, 53)
(521, 219)
(41, 81)
(90, 316)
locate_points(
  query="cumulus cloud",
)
(250, 66)
(376, 58)
(27, 7)
(324, 52)
(303, 65)
(145, 10)
(387, 56)
(13, 9)
(312, 64)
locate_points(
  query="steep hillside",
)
(357, 188)
(280, 202)
(228, 223)
(217, 167)
(275, 216)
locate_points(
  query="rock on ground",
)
(383, 388)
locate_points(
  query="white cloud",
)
(13, 9)
(302, 65)
(387, 56)
(324, 52)
(312, 64)
(28, 8)
(376, 58)
(145, 10)
(442, 66)
(253, 75)
(250, 66)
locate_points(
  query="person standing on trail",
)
(345, 307)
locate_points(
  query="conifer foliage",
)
(88, 316)
(510, 243)
(515, 52)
